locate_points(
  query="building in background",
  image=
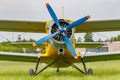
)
(108, 47)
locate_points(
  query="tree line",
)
(8, 47)
(88, 37)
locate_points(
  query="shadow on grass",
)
(12, 73)
(106, 72)
(64, 74)
(68, 72)
(46, 73)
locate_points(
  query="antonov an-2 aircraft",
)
(60, 43)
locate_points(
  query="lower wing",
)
(30, 57)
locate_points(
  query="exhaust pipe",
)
(61, 51)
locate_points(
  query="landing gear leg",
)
(60, 57)
(57, 69)
(90, 70)
(85, 69)
(31, 71)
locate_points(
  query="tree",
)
(99, 40)
(31, 40)
(79, 39)
(113, 39)
(118, 38)
(88, 37)
(107, 40)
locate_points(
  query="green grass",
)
(103, 70)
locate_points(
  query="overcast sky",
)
(35, 10)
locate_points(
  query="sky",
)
(35, 10)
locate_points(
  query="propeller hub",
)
(62, 30)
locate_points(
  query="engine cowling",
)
(58, 40)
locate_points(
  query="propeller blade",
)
(53, 15)
(44, 39)
(70, 47)
(78, 22)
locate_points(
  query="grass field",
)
(103, 70)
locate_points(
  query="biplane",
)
(60, 43)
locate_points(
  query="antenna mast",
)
(63, 12)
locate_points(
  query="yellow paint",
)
(52, 52)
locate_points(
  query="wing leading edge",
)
(99, 26)
(22, 26)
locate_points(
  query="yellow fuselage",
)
(52, 51)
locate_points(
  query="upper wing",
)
(99, 26)
(22, 26)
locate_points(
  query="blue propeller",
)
(78, 22)
(53, 15)
(62, 30)
(45, 38)
(69, 46)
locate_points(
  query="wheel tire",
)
(31, 72)
(90, 71)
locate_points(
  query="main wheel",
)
(31, 72)
(90, 71)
